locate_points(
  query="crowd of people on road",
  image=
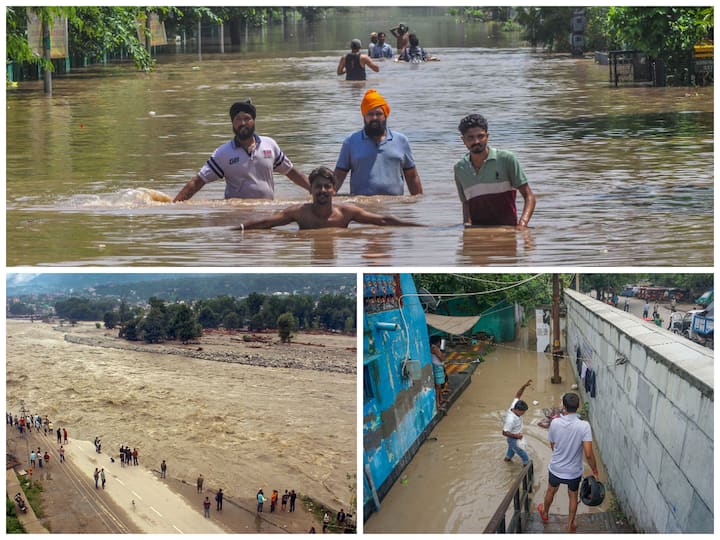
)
(37, 459)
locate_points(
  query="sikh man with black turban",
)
(247, 162)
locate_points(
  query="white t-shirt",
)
(513, 423)
(247, 176)
(568, 432)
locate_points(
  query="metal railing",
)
(519, 494)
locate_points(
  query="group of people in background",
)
(353, 64)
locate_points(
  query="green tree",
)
(21, 308)
(208, 318)
(129, 330)
(232, 321)
(286, 325)
(152, 328)
(257, 322)
(110, 319)
(183, 324)
(666, 34)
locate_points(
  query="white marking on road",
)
(158, 513)
(138, 496)
(121, 482)
(178, 530)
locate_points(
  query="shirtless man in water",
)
(322, 213)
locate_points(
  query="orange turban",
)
(372, 100)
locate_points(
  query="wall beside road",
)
(651, 414)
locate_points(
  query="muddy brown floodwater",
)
(242, 426)
(458, 478)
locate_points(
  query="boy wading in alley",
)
(512, 428)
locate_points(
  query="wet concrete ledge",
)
(457, 383)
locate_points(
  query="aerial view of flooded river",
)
(242, 426)
(456, 481)
(622, 175)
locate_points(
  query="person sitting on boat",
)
(353, 64)
(321, 212)
(247, 162)
(381, 49)
(414, 53)
(487, 180)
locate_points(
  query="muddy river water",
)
(243, 427)
(458, 477)
(622, 175)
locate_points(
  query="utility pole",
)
(556, 352)
(47, 73)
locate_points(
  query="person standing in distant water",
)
(200, 481)
(373, 42)
(353, 64)
(206, 507)
(293, 496)
(402, 36)
(381, 49)
(378, 159)
(512, 428)
(247, 162)
(487, 180)
(163, 469)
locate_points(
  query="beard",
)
(478, 148)
(244, 132)
(375, 128)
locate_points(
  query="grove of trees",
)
(162, 320)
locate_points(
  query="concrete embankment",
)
(651, 410)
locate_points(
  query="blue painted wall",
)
(397, 406)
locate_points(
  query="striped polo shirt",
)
(491, 190)
(247, 176)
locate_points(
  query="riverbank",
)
(242, 426)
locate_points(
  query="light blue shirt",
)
(381, 51)
(567, 433)
(376, 169)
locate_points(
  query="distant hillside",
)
(178, 286)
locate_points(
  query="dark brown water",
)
(622, 176)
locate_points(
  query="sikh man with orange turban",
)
(378, 159)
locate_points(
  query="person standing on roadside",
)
(219, 499)
(570, 438)
(96, 476)
(200, 481)
(163, 469)
(206, 506)
(102, 477)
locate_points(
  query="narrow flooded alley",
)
(458, 478)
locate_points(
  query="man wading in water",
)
(321, 213)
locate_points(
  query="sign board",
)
(157, 30)
(58, 35)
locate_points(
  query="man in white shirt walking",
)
(512, 428)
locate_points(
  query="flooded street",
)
(241, 426)
(458, 478)
(621, 175)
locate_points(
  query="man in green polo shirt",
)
(487, 180)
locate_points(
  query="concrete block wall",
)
(652, 416)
